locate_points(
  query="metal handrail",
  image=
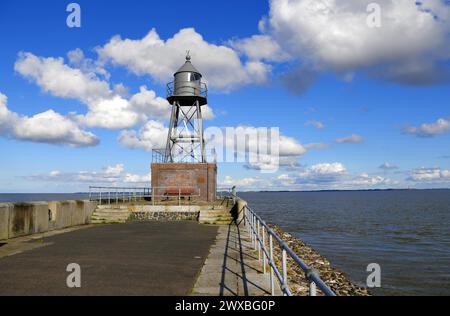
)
(134, 194)
(258, 229)
(202, 91)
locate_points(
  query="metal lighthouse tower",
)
(187, 94)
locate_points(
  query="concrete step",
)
(215, 218)
(215, 212)
(107, 222)
(112, 206)
(111, 213)
(221, 222)
(108, 217)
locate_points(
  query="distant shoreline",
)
(262, 191)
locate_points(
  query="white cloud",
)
(159, 58)
(55, 77)
(135, 178)
(86, 65)
(248, 183)
(324, 176)
(114, 170)
(260, 47)
(322, 173)
(107, 108)
(111, 113)
(364, 180)
(47, 127)
(388, 166)
(435, 175)
(441, 126)
(316, 124)
(153, 135)
(333, 35)
(352, 139)
(147, 102)
(111, 175)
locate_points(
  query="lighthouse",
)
(184, 169)
(187, 94)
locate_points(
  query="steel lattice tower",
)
(187, 94)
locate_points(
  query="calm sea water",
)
(32, 197)
(406, 232)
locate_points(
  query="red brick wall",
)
(176, 175)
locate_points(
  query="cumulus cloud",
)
(441, 126)
(324, 35)
(47, 127)
(160, 58)
(352, 139)
(107, 107)
(153, 135)
(110, 175)
(260, 47)
(388, 166)
(260, 148)
(324, 172)
(316, 124)
(433, 175)
(364, 180)
(58, 79)
(323, 176)
(248, 183)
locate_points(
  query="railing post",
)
(153, 196)
(254, 232)
(100, 197)
(259, 240)
(284, 264)
(264, 246)
(179, 197)
(89, 193)
(272, 285)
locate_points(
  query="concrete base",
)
(201, 177)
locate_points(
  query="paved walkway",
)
(151, 258)
(232, 267)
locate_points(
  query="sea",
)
(405, 232)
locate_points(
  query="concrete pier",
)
(140, 258)
(232, 267)
(165, 249)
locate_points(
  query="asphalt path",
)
(141, 258)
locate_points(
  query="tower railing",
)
(159, 156)
(189, 88)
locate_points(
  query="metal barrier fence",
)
(116, 195)
(180, 193)
(263, 238)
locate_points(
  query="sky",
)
(360, 93)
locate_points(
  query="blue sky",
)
(358, 107)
